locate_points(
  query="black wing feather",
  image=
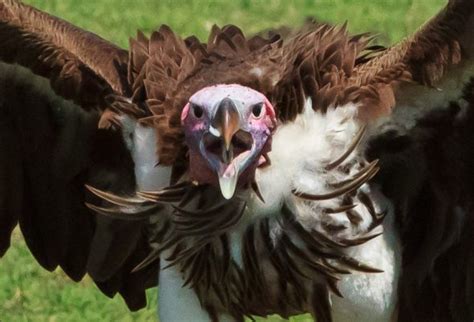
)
(428, 173)
(50, 149)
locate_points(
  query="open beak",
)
(226, 123)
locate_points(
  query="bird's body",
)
(248, 176)
(367, 297)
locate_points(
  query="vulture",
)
(304, 172)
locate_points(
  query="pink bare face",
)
(227, 129)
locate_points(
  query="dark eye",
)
(257, 110)
(198, 111)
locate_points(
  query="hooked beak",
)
(227, 122)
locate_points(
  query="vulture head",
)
(228, 132)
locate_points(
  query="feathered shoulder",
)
(316, 61)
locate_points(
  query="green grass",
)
(117, 20)
(28, 293)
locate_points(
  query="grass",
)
(28, 293)
(117, 20)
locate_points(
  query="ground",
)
(29, 293)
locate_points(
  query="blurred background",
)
(29, 293)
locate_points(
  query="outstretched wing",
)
(426, 152)
(80, 65)
(51, 147)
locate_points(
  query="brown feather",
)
(320, 303)
(80, 65)
(316, 62)
(424, 58)
(58, 228)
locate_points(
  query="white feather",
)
(300, 152)
(372, 297)
(141, 141)
(177, 303)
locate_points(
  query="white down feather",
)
(300, 152)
